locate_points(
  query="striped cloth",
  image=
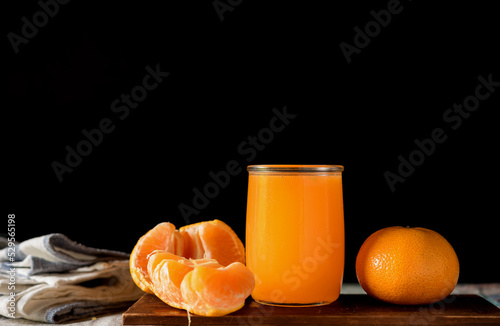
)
(54, 279)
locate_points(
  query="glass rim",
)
(322, 168)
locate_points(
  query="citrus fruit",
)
(199, 267)
(201, 286)
(161, 237)
(210, 239)
(407, 266)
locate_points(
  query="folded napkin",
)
(57, 280)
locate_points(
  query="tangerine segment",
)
(160, 237)
(167, 271)
(213, 240)
(201, 286)
(217, 291)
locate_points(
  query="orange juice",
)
(295, 233)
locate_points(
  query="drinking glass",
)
(295, 233)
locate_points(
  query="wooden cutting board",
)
(347, 310)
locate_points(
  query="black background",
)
(225, 79)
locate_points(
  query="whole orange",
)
(407, 266)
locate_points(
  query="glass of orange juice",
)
(295, 233)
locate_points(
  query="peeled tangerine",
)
(199, 267)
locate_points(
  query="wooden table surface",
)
(349, 309)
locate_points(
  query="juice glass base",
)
(314, 304)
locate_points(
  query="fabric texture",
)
(58, 280)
